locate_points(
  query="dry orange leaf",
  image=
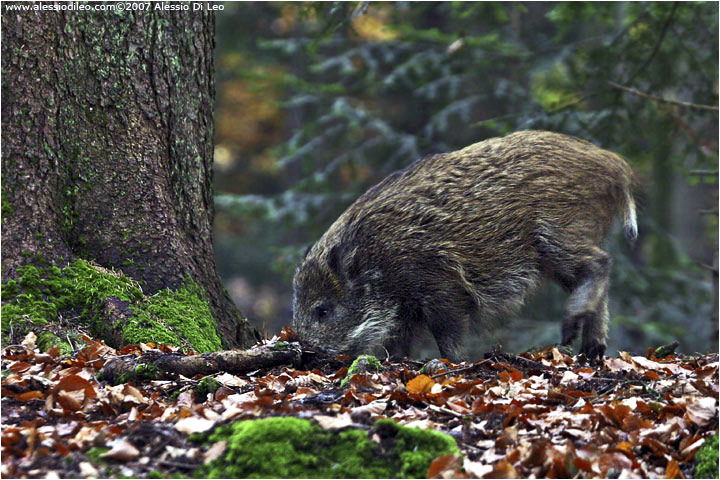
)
(503, 469)
(582, 464)
(447, 466)
(71, 401)
(625, 447)
(673, 470)
(31, 395)
(72, 383)
(420, 384)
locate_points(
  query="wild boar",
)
(457, 238)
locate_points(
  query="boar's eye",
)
(321, 311)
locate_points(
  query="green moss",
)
(141, 373)
(79, 291)
(289, 447)
(280, 346)
(46, 340)
(175, 307)
(707, 459)
(9, 290)
(205, 386)
(145, 371)
(158, 474)
(94, 454)
(362, 364)
(6, 209)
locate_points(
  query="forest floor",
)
(542, 414)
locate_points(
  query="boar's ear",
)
(333, 259)
(353, 264)
(343, 262)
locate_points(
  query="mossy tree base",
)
(107, 304)
(107, 157)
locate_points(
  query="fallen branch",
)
(156, 365)
(662, 100)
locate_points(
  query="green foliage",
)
(205, 386)
(94, 455)
(707, 459)
(289, 447)
(436, 76)
(362, 364)
(42, 294)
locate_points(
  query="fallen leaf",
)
(71, 383)
(375, 407)
(84, 437)
(615, 364)
(29, 341)
(217, 449)
(33, 394)
(477, 469)
(190, 425)
(447, 466)
(71, 401)
(503, 469)
(701, 411)
(231, 380)
(614, 461)
(333, 423)
(569, 376)
(673, 470)
(122, 451)
(87, 469)
(420, 384)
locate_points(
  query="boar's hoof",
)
(593, 349)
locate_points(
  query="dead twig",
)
(459, 370)
(655, 51)
(662, 100)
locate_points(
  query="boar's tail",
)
(629, 214)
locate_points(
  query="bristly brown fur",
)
(460, 237)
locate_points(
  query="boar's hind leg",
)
(587, 305)
(584, 271)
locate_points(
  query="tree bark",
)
(107, 148)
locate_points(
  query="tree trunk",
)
(107, 148)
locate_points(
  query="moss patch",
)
(79, 292)
(7, 209)
(362, 364)
(289, 447)
(143, 372)
(707, 459)
(185, 312)
(205, 386)
(46, 340)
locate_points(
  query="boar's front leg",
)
(588, 304)
(450, 331)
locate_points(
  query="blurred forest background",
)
(318, 101)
